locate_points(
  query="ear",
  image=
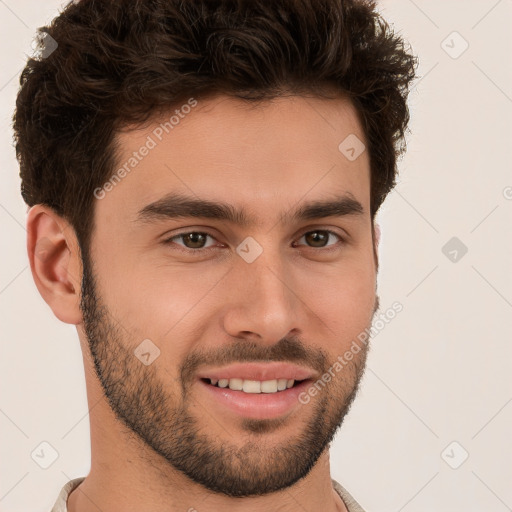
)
(55, 262)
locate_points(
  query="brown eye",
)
(319, 238)
(192, 240)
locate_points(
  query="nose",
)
(263, 303)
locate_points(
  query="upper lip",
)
(258, 371)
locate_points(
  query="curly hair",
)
(117, 63)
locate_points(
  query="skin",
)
(268, 160)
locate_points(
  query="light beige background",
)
(438, 373)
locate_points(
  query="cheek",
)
(343, 300)
(163, 304)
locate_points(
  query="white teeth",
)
(254, 386)
(236, 384)
(269, 386)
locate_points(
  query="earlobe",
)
(55, 262)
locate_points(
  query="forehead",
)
(258, 155)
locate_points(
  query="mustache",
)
(290, 349)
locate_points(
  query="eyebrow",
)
(175, 206)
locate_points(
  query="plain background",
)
(439, 373)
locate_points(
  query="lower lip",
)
(257, 406)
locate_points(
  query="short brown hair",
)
(119, 62)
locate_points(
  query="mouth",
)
(257, 400)
(257, 390)
(250, 386)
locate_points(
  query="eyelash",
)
(201, 250)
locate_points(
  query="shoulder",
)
(61, 503)
(351, 504)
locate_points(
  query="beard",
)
(163, 418)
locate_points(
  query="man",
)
(203, 180)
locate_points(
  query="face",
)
(262, 285)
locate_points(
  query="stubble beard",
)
(163, 419)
